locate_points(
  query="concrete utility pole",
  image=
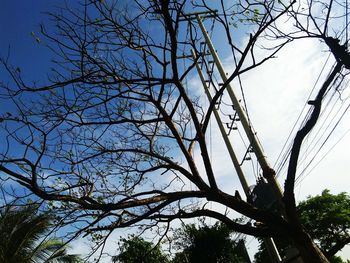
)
(268, 172)
(229, 147)
(271, 247)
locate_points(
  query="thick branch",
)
(248, 229)
(289, 197)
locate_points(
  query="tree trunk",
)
(309, 251)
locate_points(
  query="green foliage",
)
(336, 259)
(211, 244)
(37, 39)
(262, 255)
(23, 237)
(137, 250)
(327, 218)
(195, 244)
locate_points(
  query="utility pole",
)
(270, 245)
(268, 172)
(229, 147)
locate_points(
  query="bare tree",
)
(109, 141)
(320, 20)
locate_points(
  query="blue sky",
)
(17, 20)
(284, 94)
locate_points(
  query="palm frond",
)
(22, 229)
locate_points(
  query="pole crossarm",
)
(203, 14)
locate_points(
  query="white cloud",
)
(276, 94)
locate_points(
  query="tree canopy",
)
(135, 249)
(212, 244)
(327, 219)
(191, 244)
(114, 136)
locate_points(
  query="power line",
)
(285, 152)
(323, 157)
(331, 116)
(322, 145)
(316, 134)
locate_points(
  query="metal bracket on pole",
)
(247, 152)
(231, 126)
(204, 14)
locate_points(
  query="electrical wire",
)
(284, 153)
(318, 138)
(324, 127)
(326, 123)
(302, 173)
(322, 158)
(317, 134)
(280, 163)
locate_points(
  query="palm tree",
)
(24, 239)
